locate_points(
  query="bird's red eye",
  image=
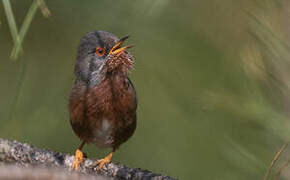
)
(100, 51)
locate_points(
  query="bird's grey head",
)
(100, 52)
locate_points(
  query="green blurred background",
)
(212, 79)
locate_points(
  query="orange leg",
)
(104, 161)
(79, 156)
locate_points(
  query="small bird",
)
(102, 102)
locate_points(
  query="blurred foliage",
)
(212, 80)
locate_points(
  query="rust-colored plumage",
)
(103, 101)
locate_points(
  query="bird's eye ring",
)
(100, 51)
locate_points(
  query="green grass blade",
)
(24, 28)
(11, 22)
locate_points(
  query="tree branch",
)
(25, 155)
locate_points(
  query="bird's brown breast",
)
(104, 114)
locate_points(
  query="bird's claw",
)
(78, 159)
(100, 163)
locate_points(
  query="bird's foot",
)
(100, 163)
(79, 156)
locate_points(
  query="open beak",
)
(116, 49)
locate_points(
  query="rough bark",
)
(46, 164)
